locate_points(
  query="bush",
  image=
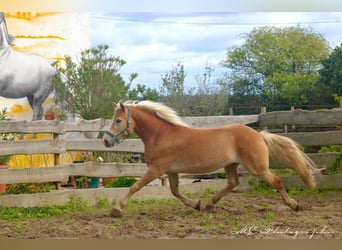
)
(122, 182)
(29, 188)
(88, 86)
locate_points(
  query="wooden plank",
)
(325, 159)
(61, 173)
(32, 147)
(31, 127)
(115, 169)
(33, 175)
(56, 126)
(316, 138)
(302, 117)
(213, 121)
(129, 145)
(86, 125)
(322, 182)
(322, 160)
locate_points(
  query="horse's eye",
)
(118, 121)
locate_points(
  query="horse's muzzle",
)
(107, 143)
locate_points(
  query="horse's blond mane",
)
(162, 111)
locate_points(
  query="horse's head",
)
(120, 127)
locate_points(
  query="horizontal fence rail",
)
(60, 143)
(300, 117)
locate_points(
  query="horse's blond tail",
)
(286, 150)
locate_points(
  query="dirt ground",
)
(237, 216)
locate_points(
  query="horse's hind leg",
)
(233, 181)
(173, 179)
(276, 182)
(36, 106)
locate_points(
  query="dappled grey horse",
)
(23, 74)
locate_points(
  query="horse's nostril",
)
(105, 142)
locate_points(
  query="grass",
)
(164, 207)
(74, 205)
(170, 217)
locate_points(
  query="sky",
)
(153, 42)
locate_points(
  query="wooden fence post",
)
(56, 162)
(263, 111)
(231, 111)
(293, 126)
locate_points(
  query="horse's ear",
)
(122, 106)
(114, 105)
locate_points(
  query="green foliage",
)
(103, 203)
(88, 87)
(260, 187)
(122, 182)
(74, 205)
(82, 181)
(335, 167)
(221, 176)
(207, 97)
(173, 89)
(4, 159)
(330, 77)
(141, 92)
(113, 156)
(207, 221)
(278, 64)
(29, 188)
(210, 191)
(210, 96)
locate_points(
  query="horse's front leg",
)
(173, 179)
(150, 175)
(37, 108)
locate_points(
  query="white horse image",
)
(23, 74)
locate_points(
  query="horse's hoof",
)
(298, 208)
(116, 212)
(209, 209)
(295, 206)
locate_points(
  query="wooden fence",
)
(273, 120)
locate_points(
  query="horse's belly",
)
(199, 166)
(204, 156)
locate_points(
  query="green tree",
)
(206, 97)
(88, 86)
(329, 83)
(173, 90)
(279, 64)
(210, 96)
(142, 92)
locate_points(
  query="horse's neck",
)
(149, 127)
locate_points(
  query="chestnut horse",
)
(172, 147)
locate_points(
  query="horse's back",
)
(237, 130)
(22, 74)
